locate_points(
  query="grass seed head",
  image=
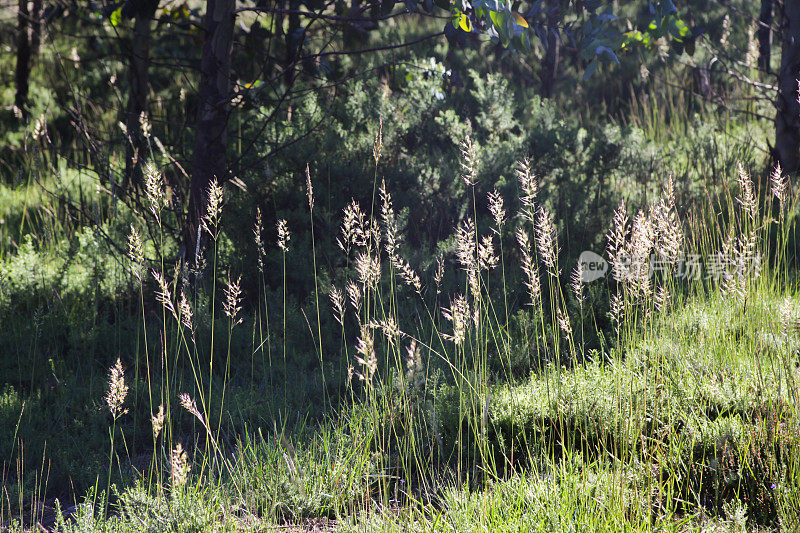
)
(789, 319)
(564, 323)
(662, 299)
(214, 200)
(746, 197)
(154, 189)
(529, 189)
(617, 311)
(547, 241)
(258, 229)
(354, 295)
(415, 372)
(372, 234)
(377, 146)
(487, 259)
(668, 236)
(465, 245)
(338, 304)
(497, 210)
(642, 235)
(368, 269)
(780, 186)
(283, 235)
(576, 283)
(353, 228)
(617, 239)
(117, 390)
(179, 467)
(532, 281)
(641, 244)
(161, 147)
(136, 254)
(389, 328)
(669, 193)
(438, 275)
(734, 286)
(233, 299)
(467, 253)
(309, 188)
(365, 347)
(163, 294)
(158, 421)
(39, 127)
(389, 221)
(407, 273)
(144, 124)
(459, 315)
(469, 162)
(185, 311)
(188, 403)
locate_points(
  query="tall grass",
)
(684, 409)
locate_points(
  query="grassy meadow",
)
(391, 320)
(495, 389)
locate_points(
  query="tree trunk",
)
(36, 27)
(23, 70)
(210, 141)
(787, 118)
(138, 73)
(550, 65)
(764, 35)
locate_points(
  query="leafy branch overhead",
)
(591, 27)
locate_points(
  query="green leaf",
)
(496, 19)
(678, 28)
(116, 17)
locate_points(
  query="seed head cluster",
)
(233, 299)
(459, 315)
(157, 421)
(283, 235)
(179, 467)
(214, 198)
(469, 162)
(117, 390)
(547, 241)
(136, 254)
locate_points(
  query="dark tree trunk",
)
(787, 118)
(138, 73)
(23, 70)
(550, 65)
(36, 27)
(764, 35)
(210, 141)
